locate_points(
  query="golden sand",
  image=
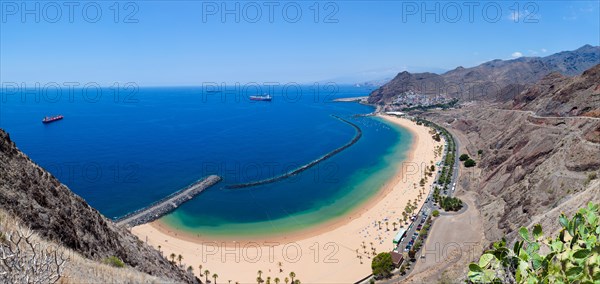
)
(339, 251)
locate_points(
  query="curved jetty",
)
(167, 204)
(309, 165)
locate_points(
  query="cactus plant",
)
(573, 256)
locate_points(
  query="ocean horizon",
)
(123, 154)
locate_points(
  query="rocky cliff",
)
(34, 196)
(541, 150)
(559, 95)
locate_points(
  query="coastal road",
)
(426, 210)
(423, 214)
(456, 165)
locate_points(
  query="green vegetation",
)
(420, 239)
(435, 213)
(470, 163)
(450, 203)
(423, 108)
(573, 256)
(463, 157)
(114, 261)
(382, 265)
(590, 177)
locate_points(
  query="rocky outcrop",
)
(428, 83)
(34, 196)
(558, 95)
(526, 168)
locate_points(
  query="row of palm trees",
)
(190, 269)
(364, 247)
(292, 275)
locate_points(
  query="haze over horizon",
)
(345, 42)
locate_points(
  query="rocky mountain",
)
(559, 95)
(497, 80)
(537, 155)
(540, 156)
(41, 202)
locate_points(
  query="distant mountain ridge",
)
(498, 80)
(559, 95)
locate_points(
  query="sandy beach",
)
(339, 251)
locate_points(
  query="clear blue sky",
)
(172, 44)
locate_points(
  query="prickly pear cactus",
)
(571, 257)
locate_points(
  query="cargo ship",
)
(48, 119)
(265, 98)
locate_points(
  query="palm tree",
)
(379, 222)
(179, 257)
(297, 281)
(159, 249)
(260, 273)
(190, 270)
(387, 225)
(206, 273)
(259, 280)
(215, 276)
(277, 279)
(286, 280)
(292, 275)
(394, 224)
(268, 280)
(200, 269)
(172, 258)
(280, 265)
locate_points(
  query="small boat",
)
(265, 98)
(49, 119)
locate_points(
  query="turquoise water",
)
(121, 155)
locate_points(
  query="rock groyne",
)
(309, 165)
(167, 204)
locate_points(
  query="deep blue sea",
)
(122, 152)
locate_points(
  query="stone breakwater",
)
(309, 165)
(166, 205)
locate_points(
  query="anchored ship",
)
(266, 98)
(48, 119)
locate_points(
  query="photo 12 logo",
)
(71, 92)
(116, 172)
(253, 252)
(69, 12)
(469, 11)
(270, 12)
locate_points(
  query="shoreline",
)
(300, 234)
(350, 234)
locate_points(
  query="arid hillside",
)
(32, 195)
(537, 155)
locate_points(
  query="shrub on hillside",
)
(470, 163)
(114, 261)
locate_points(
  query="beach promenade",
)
(167, 204)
